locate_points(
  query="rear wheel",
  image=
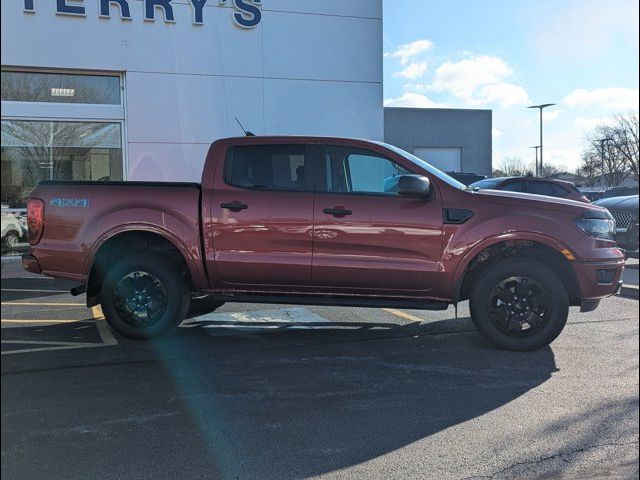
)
(143, 296)
(519, 304)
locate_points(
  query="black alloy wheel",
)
(519, 306)
(140, 298)
(144, 295)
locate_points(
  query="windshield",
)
(426, 166)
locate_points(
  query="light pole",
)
(602, 142)
(541, 107)
(536, 147)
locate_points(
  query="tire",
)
(511, 313)
(11, 239)
(143, 296)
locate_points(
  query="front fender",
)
(505, 237)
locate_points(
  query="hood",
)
(629, 202)
(501, 197)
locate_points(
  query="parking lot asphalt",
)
(278, 392)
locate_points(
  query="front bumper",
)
(598, 280)
(628, 253)
(30, 264)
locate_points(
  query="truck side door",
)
(262, 217)
(367, 238)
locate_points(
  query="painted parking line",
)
(262, 321)
(47, 348)
(405, 315)
(103, 329)
(106, 337)
(38, 320)
(277, 318)
(34, 290)
(40, 304)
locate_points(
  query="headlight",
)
(597, 224)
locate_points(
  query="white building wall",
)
(310, 67)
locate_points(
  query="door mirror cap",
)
(414, 186)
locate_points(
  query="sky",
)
(505, 55)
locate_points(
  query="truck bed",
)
(81, 215)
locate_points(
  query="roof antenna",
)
(247, 133)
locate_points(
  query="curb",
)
(629, 291)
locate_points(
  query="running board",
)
(333, 301)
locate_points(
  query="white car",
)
(13, 229)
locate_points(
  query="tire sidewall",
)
(496, 273)
(11, 239)
(173, 282)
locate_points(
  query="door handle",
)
(337, 211)
(234, 206)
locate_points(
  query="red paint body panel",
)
(389, 243)
(284, 243)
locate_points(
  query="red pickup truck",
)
(331, 221)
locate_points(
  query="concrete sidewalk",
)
(630, 279)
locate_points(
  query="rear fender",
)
(196, 268)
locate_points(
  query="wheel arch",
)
(543, 249)
(137, 239)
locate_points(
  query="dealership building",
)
(138, 89)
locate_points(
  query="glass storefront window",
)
(60, 88)
(43, 150)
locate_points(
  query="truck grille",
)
(624, 220)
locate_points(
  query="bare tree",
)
(590, 168)
(624, 135)
(512, 167)
(549, 169)
(617, 157)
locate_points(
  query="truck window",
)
(548, 189)
(268, 167)
(515, 187)
(360, 171)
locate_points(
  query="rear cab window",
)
(268, 167)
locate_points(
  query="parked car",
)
(538, 186)
(311, 220)
(625, 212)
(466, 178)
(592, 195)
(12, 229)
(620, 192)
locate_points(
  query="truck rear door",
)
(262, 217)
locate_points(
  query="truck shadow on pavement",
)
(279, 405)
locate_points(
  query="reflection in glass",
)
(60, 88)
(37, 150)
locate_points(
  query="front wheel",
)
(143, 296)
(519, 304)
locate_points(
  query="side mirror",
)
(414, 186)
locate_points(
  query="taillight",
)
(35, 220)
